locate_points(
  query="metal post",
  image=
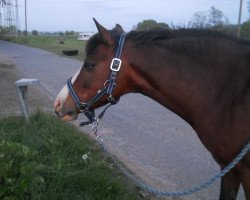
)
(22, 93)
(239, 19)
(26, 28)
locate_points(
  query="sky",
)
(76, 15)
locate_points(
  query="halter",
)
(109, 85)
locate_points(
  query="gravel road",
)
(154, 143)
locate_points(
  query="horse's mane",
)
(151, 36)
(148, 37)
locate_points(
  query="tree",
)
(248, 7)
(61, 33)
(151, 24)
(215, 16)
(25, 33)
(34, 32)
(214, 19)
(163, 25)
(245, 29)
(199, 20)
(70, 33)
(19, 32)
(3, 31)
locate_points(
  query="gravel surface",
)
(154, 143)
(38, 98)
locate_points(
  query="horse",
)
(201, 75)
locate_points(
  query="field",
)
(52, 43)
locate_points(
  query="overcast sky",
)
(62, 15)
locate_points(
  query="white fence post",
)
(22, 93)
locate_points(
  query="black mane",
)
(147, 37)
(151, 36)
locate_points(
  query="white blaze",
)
(63, 94)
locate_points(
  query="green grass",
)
(52, 44)
(43, 160)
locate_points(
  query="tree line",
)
(12, 31)
(212, 19)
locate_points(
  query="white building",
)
(85, 35)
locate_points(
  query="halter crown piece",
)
(109, 85)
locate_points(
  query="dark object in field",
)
(70, 52)
(61, 40)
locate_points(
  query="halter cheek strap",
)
(115, 67)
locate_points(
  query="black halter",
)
(109, 85)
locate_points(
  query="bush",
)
(25, 32)
(245, 29)
(34, 32)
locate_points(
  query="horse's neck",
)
(170, 83)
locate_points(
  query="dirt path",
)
(9, 104)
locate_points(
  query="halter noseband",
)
(109, 85)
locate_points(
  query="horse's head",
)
(93, 76)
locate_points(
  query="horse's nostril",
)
(57, 113)
(70, 113)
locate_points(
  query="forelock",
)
(93, 43)
(96, 40)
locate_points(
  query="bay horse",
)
(201, 75)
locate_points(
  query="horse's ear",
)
(106, 36)
(119, 29)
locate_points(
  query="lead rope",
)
(162, 193)
(96, 121)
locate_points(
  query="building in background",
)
(85, 35)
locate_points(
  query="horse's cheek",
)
(87, 83)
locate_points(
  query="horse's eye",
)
(89, 66)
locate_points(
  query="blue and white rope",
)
(157, 192)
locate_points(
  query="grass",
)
(49, 159)
(52, 43)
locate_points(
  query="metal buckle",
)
(115, 64)
(83, 107)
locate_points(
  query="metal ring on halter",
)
(83, 107)
(107, 83)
